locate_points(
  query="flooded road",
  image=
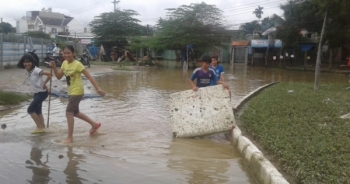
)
(134, 144)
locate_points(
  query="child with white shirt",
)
(38, 85)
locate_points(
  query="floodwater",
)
(135, 143)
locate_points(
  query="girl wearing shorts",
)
(38, 85)
(72, 70)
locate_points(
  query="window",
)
(53, 30)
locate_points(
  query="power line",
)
(246, 12)
(248, 6)
(247, 9)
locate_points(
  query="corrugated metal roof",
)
(240, 43)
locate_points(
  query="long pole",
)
(1, 53)
(48, 109)
(319, 52)
(187, 57)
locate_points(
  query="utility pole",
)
(0, 20)
(115, 2)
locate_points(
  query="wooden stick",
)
(48, 109)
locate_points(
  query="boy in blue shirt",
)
(204, 75)
(219, 70)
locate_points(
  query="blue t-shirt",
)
(218, 71)
(204, 79)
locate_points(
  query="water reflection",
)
(202, 161)
(39, 168)
(71, 171)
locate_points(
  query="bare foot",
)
(68, 140)
(94, 129)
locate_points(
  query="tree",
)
(6, 28)
(272, 21)
(258, 12)
(311, 16)
(114, 28)
(198, 24)
(37, 34)
(250, 27)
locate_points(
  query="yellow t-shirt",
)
(72, 71)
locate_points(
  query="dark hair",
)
(206, 59)
(69, 47)
(215, 57)
(26, 57)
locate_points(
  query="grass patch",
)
(303, 130)
(10, 98)
(113, 63)
(8, 66)
(122, 69)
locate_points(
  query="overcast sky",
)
(235, 11)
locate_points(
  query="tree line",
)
(202, 26)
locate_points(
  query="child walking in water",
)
(72, 70)
(219, 71)
(39, 88)
(205, 75)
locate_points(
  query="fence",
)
(12, 48)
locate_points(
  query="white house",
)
(52, 23)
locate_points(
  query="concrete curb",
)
(260, 167)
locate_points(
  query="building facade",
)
(49, 22)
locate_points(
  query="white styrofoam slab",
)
(204, 112)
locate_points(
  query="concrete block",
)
(235, 135)
(204, 112)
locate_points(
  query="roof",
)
(67, 20)
(240, 43)
(55, 21)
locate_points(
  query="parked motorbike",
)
(84, 59)
(48, 58)
(36, 58)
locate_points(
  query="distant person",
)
(56, 51)
(38, 85)
(146, 59)
(72, 70)
(205, 75)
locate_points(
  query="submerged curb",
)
(260, 167)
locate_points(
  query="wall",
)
(48, 29)
(21, 26)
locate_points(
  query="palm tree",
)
(258, 12)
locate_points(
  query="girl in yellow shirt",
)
(72, 70)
